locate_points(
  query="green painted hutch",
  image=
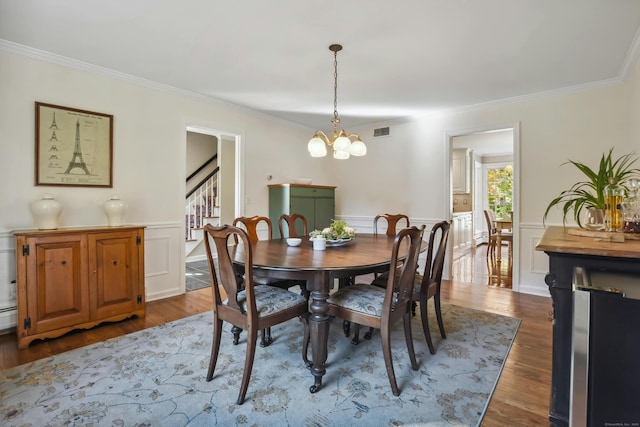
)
(315, 202)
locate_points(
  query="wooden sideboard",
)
(566, 252)
(77, 278)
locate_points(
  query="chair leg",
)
(436, 302)
(346, 328)
(236, 334)
(215, 346)
(342, 283)
(266, 337)
(369, 333)
(388, 360)
(305, 340)
(425, 326)
(252, 339)
(408, 336)
(356, 335)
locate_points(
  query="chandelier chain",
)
(335, 88)
(342, 144)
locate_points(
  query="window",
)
(500, 189)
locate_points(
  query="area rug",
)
(156, 377)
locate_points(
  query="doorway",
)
(214, 161)
(485, 147)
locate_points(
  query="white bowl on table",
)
(294, 241)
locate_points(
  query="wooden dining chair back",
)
(243, 304)
(393, 221)
(251, 226)
(290, 222)
(428, 284)
(382, 308)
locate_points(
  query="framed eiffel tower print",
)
(73, 147)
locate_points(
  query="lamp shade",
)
(357, 148)
(340, 154)
(317, 147)
(342, 143)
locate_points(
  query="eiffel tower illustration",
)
(53, 123)
(77, 161)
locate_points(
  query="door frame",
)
(449, 135)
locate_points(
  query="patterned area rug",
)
(156, 377)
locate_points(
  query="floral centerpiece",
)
(336, 231)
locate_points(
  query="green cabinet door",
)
(324, 212)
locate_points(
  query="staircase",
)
(200, 209)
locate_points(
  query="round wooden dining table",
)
(367, 253)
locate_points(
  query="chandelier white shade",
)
(341, 143)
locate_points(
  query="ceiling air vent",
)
(381, 132)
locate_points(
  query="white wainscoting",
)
(163, 254)
(8, 299)
(534, 265)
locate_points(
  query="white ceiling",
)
(400, 59)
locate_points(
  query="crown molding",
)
(42, 55)
(632, 57)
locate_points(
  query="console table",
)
(567, 251)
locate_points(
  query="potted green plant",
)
(589, 194)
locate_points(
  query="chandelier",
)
(341, 143)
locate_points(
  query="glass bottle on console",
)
(631, 208)
(613, 194)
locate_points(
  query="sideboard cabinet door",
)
(57, 293)
(114, 260)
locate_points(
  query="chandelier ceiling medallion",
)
(341, 143)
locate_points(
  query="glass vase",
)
(613, 194)
(595, 219)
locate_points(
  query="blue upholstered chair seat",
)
(270, 300)
(361, 298)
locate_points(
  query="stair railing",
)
(201, 203)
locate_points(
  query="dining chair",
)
(244, 304)
(290, 222)
(492, 234)
(251, 226)
(381, 308)
(427, 285)
(392, 221)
